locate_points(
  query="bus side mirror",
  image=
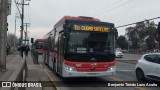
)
(116, 34)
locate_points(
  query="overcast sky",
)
(43, 14)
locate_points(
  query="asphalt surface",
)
(130, 57)
(124, 72)
(86, 83)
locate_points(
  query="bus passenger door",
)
(60, 52)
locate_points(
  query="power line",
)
(137, 22)
(18, 8)
(105, 7)
(114, 7)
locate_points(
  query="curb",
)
(51, 79)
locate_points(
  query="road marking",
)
(41, 65)
(139, 88)
(114, 78)
(125, 70)
(57, 88)
(118, 79)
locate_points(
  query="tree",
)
(12, 39)
(122, 42)
(150, 43)
(138, 34)
(133, 36)
(150, 28)
(157, 35)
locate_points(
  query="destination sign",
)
(91, 28)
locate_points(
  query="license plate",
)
(92, 74)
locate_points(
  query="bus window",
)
(87, 42)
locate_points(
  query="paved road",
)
(130, 57)
(124, 72)
(89, 83)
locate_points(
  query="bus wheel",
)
(54, 68)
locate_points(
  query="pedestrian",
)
(22, 49)
(7, 48)
(27, 49)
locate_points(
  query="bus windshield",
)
(88, 42)
(39, 45)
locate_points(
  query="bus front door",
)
(60, 52)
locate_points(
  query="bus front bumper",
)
(74, 73)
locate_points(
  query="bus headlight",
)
(69, 68)
(112, 68)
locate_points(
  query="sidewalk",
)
(9, 58)
(35, 71)
(12, 62)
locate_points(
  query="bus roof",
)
(39, 40)
(82, 18)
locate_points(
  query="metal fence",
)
(34, 54)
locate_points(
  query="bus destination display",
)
(90, 28)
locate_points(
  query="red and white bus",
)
(81, 47)
(38, 45)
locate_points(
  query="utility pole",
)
(26, 32)
(15, 29)
(3, 33)
(22, 22)
(16, 16)
(22, 17)
(21, 13)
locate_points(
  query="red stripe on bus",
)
(45, 52)
(90, 66)
(40, 50)
(89, 69)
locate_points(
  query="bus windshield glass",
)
(39, 45)
(88, 42)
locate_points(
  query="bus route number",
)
(91, 28)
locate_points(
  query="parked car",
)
(148, 67)
(118, 54)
